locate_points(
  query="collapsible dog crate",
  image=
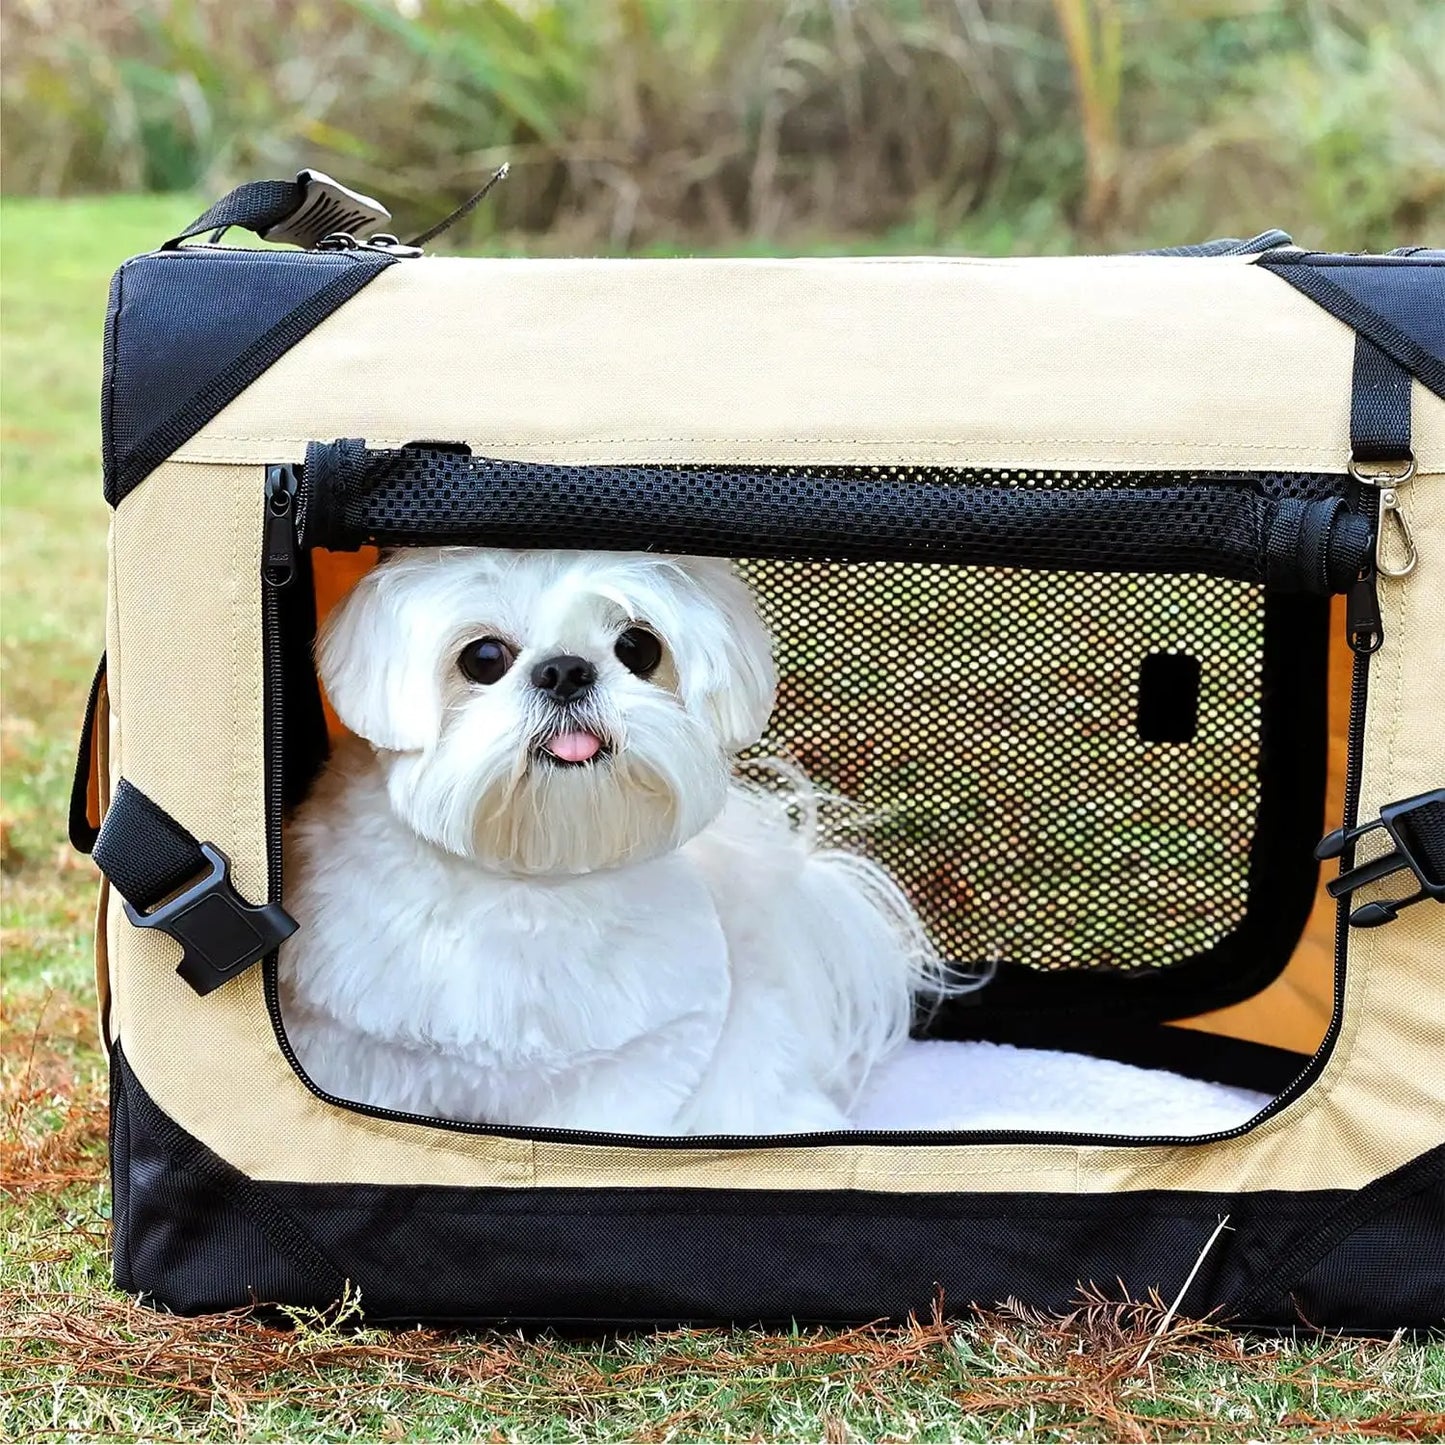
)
(1049, 549)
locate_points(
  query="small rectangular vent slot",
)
(1168, 697)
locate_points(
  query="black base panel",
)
(192, 1234)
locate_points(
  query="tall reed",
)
(992, 124)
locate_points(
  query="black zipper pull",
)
(1363, 625)
(278, 538)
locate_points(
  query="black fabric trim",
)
(189, 330)
(194, 1234)
(1337, 284)
(1387, 1239)
(118, 1142)
(82, 834)
(191, 1230)
(1379, 405)
(1213, 1058)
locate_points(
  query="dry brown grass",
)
(1078, 1371)
(52, 1109)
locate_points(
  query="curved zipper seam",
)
(841, 1138)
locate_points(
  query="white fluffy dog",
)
(531, 893)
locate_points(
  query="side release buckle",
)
(327, 206)
(220, 933)
(1416, 827)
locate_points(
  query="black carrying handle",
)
(1271, 240)
(302, 212)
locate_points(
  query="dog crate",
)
(1109, 587)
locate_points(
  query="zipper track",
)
(274, 710)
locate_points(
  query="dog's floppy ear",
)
(735, 684)
(377, 667)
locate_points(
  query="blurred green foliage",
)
(991, 125)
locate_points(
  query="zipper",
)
(278, 567)
(280, 532)
(285, 515)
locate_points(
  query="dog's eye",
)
(639, 651)
(486, 660)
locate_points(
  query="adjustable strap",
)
(301, 212)
(1379, 406)
(144, 852)
(1380, 450)
(171, 881)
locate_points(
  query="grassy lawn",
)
(79, 1362)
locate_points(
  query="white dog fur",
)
(627, 941)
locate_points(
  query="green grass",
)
(79, 1362)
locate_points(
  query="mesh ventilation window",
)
(1046, 688)
(988, 721)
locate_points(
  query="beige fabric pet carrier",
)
(1116, 495)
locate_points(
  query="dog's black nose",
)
(564, 676)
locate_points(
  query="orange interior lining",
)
(94, 812)
(336, 573)
(1292, 1013)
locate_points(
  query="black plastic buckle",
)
(1407, 853)
(220, 934)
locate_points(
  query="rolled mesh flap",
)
(1290, 530)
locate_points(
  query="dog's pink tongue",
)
(576, 747)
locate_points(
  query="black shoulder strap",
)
(82, 830)
(1379, 405)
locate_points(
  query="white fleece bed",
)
(936, 1084)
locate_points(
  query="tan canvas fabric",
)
(1079, 362)
(1128, 364)
(186, 677)
(99, 795)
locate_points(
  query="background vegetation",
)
(975, 125)
(990, 125)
